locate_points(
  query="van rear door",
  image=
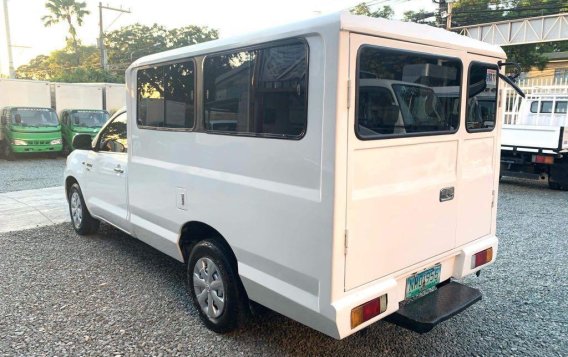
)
(403, 186)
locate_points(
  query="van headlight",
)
(55, 142)
(19, 142)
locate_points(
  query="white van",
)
(263, 164)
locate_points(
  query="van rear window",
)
(481, 97)
(403, 93)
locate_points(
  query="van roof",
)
(331, 24)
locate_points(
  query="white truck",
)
(28, 124)
(297, 168)
(115, 96)
(77, 96)
(535, 145)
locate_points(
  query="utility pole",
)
(104, 64)
(11, 70)
(444, 12)
(449, 15)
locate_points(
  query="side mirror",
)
(118, 147)
(82, 142)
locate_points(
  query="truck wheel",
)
(558, 176)
(66, 150)
(81, 219)
(554, 185)
(8, 154)
(215, 287)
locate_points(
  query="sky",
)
(30, 38)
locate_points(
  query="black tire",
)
(235, 307)
(66, 149)
(8, 154)
(554, 185)
(86, 225)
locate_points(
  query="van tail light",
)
(368, 310)
(542, 159)
(480, 258)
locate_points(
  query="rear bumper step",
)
(422, 314)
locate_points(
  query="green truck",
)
(81, 121)
(28, 124)
(30, 130)
(80, 107)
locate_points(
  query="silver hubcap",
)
(76, 209)
(208, 287)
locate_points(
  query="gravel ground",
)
(110, 294)
(31, 172)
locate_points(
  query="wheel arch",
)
(195, 231)
(69, 181)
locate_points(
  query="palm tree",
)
(69, 11)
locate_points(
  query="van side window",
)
(534, 107)
(561, 107)
(481, 97)
(403, 93)
(261, 92)
(166, 97)
(113, 138)
(546, 106)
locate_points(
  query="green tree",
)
(421, 16)
(124, 44)
(363, 9)
(70, 11)
(134, 41)
(468, 12)
(60, 66)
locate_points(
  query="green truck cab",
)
(30, 130)
(81, 121)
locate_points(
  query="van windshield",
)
(89, 118)
(34, 117)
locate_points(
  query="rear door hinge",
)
(492, 198)
(348, 93)
(346, 241)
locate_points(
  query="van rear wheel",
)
(81, 219)
(214, 287)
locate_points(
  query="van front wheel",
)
(215, 287)
(81, 219)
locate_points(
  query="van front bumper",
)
(455, 264)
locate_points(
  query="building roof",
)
(557, 56)
(334, 23)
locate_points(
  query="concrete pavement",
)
(32, 208)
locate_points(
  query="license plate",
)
(419, 282)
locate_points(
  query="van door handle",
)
(118, 169)
(447, 194)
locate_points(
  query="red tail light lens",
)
(483, 257)
(368, 310)
(542, 159)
